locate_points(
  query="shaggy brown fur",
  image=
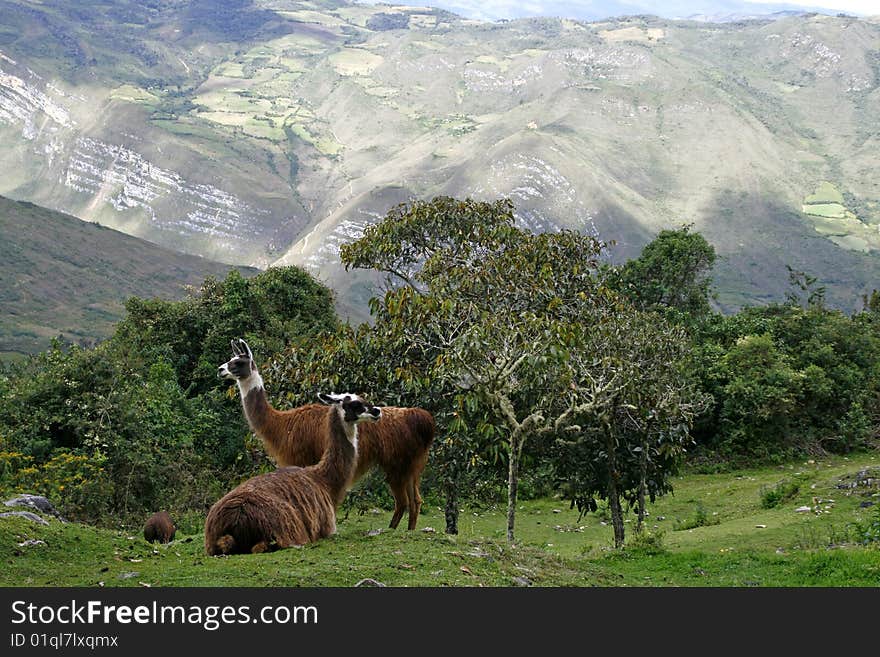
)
(291, 506)
(159, 528)
(399, 444)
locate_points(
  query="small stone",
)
(31, 543)
(37, 502)
(428, 530)
(367, 581)
(374, 532)
(761, 526)
(803, 509)
(521, 581)
(128, 575)
(25, 514)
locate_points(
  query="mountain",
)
(272, 131)
(597, 10)
(63, 276)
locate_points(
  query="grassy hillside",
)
(63, 276)
(259, 132)
(714, 531)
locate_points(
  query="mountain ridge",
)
(63, 277)
(271, 132)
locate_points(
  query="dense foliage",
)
(141, 422)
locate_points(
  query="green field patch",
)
(355, 61)
(422, 21)
(297, 44)
(233, 119)
(263, 128)
(355, 15)
(229, 70)
(382, 92)
(307, 16)
(854, 243)
(832, 210)
(323, 143)
(293, 64)
(825, 193)
(502, 64)
(131, 94)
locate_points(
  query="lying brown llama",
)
(293, 505)
(398, 445)
(159, 528)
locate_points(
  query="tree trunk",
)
(512, 484)
(643, 483)
(614, 494)
(451, 505)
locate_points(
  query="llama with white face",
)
(293, 505)
(399, 445)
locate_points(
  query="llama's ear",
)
(247, 349)
(235, 351)
(327, 399)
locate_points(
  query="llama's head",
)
(241, 366)
(353, 409)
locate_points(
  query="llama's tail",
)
(425, 427)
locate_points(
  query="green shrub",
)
(699, 518)
(647, 542)
(784, 490)
(868, 530)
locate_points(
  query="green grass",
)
(831, 210)
(747, 545)
(825, 193)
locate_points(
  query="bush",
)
(699, 518)
(647, 542)
(77, 485)
(781, 492)
(868, 530)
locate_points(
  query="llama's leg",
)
(415, 497)
(415, 502)
(401, 503)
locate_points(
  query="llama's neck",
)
(259, 412)
(337, 465)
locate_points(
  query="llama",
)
(398, 445)
(159, 528)
(293, 505)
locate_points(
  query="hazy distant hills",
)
(62, 276)
(597, 10)
(273, 131)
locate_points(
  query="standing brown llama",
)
(293, 505)
(398, 445)
(159, 528)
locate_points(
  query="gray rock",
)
(369, 582)
(31, 542)
(521, 581)
(36, 502)
(128, 575)
(25, 514)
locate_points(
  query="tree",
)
(272, 309)
(671, 272)
(499, 316)
(630, 448)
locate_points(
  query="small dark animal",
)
(293, 505)
(160, 528)
(399, 444)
